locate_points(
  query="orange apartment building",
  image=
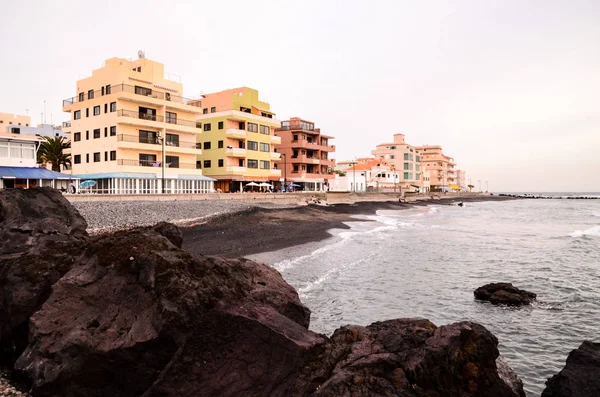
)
(441, 168)
(305, 155)
(404, 158)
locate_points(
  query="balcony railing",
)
(139, 90)
(156, 164)
(153, 117)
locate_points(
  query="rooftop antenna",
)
(141, 54)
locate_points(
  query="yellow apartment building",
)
(238, 139)
(403, 158)
(133, 132)
(441, 168)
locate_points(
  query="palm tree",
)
(52, 151)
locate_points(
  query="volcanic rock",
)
(581, 375)
(504, 294)
(40, 232)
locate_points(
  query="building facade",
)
(305, 155)
(238, 140)
(131, 129)
(461, 180)
(403, 158)
(441, 168)
(367, 175)
(21, 125)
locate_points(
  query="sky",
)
(509, 88)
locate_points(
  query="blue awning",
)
(136, 175)
(32, 173)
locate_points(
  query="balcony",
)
(305, 144)
(275, 155)
(235, 133)
(155, 164)
(235, 169)
(133, 114)
(235, 152)
(275, 139)
(304, 159)
(66, 124)
(274, 171)
(141, 91)
(299, 128)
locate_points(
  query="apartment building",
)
(133, 132)
(21, 125)
(372, 175)
(461, 180)
(404, 158)
(305, 155)
(238, 139)
(441, 168)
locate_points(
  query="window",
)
(265, 129)
(147, 160)
(220, 125)
(113, 130)
(252, 127)
(252, 145)
(113, 106)
(81, 97)
(206, 163)
(252, 163)
(143, 91)
(87, 158)
(102, 89)
(171, 118)
(105, 132)
(205, 111)
(108, 90)
(265, 147)
(206, 145)
(220, 144)
(77, 136)
(97, 110)
(172, 161)
(147, 137)
(113, 155)
(207, 127)
(105, 156)
(97, 157)
(106, 108)
(172, 140)
(91, 94)
(213, 109)
(405, 156)
(392, 157)
(220, 162)
(77, 159)
(407, 166)
(265, 165)
(97, 134)
(406, 175)
(87, 135)
(77, 115)
(87, 112)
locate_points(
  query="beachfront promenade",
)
(275, 198)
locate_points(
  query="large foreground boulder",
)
(40, 232)
(581, 375)
(132, 314)
(504, 294)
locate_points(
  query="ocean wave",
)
(433, 209)
(327, 275)
(593, 231)
(289, 263)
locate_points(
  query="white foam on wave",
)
(289, 263)
(433, 209)
(593, 231)
(596, 214)
(328, 275)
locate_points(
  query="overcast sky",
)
(510, 89)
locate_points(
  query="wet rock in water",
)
(40, 233)
(131, 314)
(581, 375)
(504, 294)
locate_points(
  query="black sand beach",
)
(260, 230)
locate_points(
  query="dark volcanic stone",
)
(504, 294)
(40, 233)
(581, 375)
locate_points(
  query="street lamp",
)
(284, 171)
(162, 160)
(486, 186)
(354, 176)
(479, 181)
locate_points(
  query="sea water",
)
(425, 262)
